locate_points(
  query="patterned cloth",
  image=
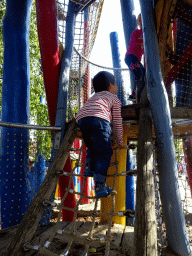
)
(136, 44)
(107, 106)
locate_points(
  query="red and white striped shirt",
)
(107, 106)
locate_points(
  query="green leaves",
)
(38, 110)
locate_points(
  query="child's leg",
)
(96, 133)
(102, 156)
(102, 150)
(89, 162)
(84, 125)
(139, 71)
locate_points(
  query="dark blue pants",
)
(96, 133)
(138, 70)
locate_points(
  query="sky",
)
(110, 21)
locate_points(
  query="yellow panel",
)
(106, 203)
(57, 191)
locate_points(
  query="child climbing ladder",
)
(94, 120)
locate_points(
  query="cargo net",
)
(80, 86)
(182, 148)
(175, 49)
(85, 234)
(86, 25)
(84, 237)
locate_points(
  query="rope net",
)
(89, 238)
(86, 26)
(80, 86)
(39, 148)
(176, 52)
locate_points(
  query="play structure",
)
(148, 196)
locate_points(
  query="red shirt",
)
(107, 106)
(136, 44)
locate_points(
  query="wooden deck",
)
(181, 120)
(121, 244)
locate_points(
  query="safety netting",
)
(174, 34)
(176, 69)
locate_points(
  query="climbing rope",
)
(87, 240)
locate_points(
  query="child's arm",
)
(117, 123)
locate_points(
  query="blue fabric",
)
(96, 134)
(138, 70)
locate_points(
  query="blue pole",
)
(128, 18)
(129, 25)
(65, 67)
(14, 174)
(168, 175)
(117, 64)
(130, 200)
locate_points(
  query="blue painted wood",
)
(65, 67)
(117, 64)
(129, 25)
(168, 175)
(130, 200)
(14, 173)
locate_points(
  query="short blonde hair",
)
(139, 19)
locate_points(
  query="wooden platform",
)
(181, 121)
(122, 239)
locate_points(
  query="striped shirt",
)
(107, 106)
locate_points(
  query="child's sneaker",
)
(88, 173)
(102, 190)
(132, 97)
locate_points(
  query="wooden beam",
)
(131, 112)
(33, 215)
(181, 113)
(145, 236)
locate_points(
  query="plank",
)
(65, 238)
(43, 237)
(60, 242)
(129, 113)
(145, 236)
(33, 215)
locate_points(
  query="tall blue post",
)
(130, 199)
(117, 64)
(14, 169)
(129, 25)
(168, 175)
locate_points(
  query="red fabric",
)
(86, 191)
(184, 58)
(136, 44)
(186, 148)
(70, 199)
(77, 145)
(49, 47)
